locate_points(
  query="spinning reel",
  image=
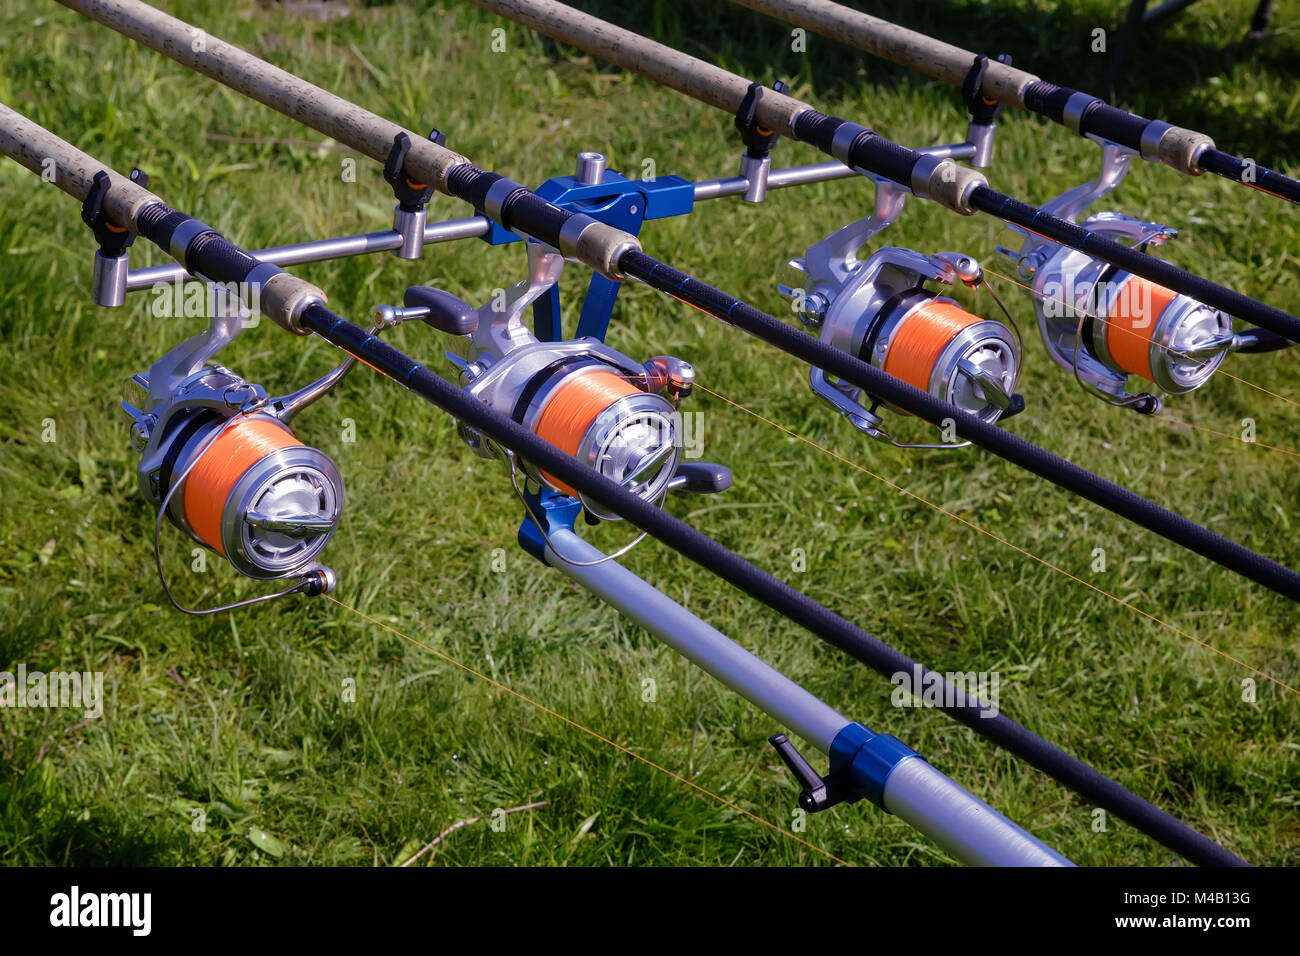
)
(1105, 324)
(591, 401)
(220, 461)
(880, 311)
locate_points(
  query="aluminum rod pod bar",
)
(961, 189)
(200, 248)
(26, 142)
(509, 203)
(947, 813)
(1182, 149)
(1059, 471)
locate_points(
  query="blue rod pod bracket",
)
(556, 511)
(861, 763)
(616, 201)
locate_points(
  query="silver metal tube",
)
(591, 168)
(961, 823)
(704, 646)
(319, 250)
(951, 151)
(956, 820)
(777, 179)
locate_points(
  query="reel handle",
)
(444, 311)
(701, 478)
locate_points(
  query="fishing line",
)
(1172, 351)
(591, 733)
(921, 338)
(572, 410)
(984, 531)
(1178, 422)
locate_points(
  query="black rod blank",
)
(870, 151)
(767, 588)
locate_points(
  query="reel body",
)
(591, 401)
(251, 491)
(1120, 324)
(594, 403)
(221, 461)
(880, 311)
(1105, 324)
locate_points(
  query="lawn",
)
(303, 733)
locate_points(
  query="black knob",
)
(446, 313)
(703, 477)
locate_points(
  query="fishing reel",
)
(608, 411)
(220, 461)
(1105, 324)
(880, 311)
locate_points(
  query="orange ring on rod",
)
(574, 406)
(1133, 315)
(224, 462)
(921, 338)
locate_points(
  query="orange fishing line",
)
(224, 462)
(921, 339)
(572, 408)
(1138, 303)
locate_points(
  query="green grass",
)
(241, 715)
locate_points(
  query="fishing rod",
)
(994, 81)
(616, 254)
(251, 492)
(1098, 322)
(958, 188)
(287, 545)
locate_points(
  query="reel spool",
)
(932, 343)
(220, 461)
(1105, 324)
(251, 491)
(880, 311)
(605, 418)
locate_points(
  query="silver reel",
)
(220, 461)
(880, 311)
(1105, 324)
(603, 408)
